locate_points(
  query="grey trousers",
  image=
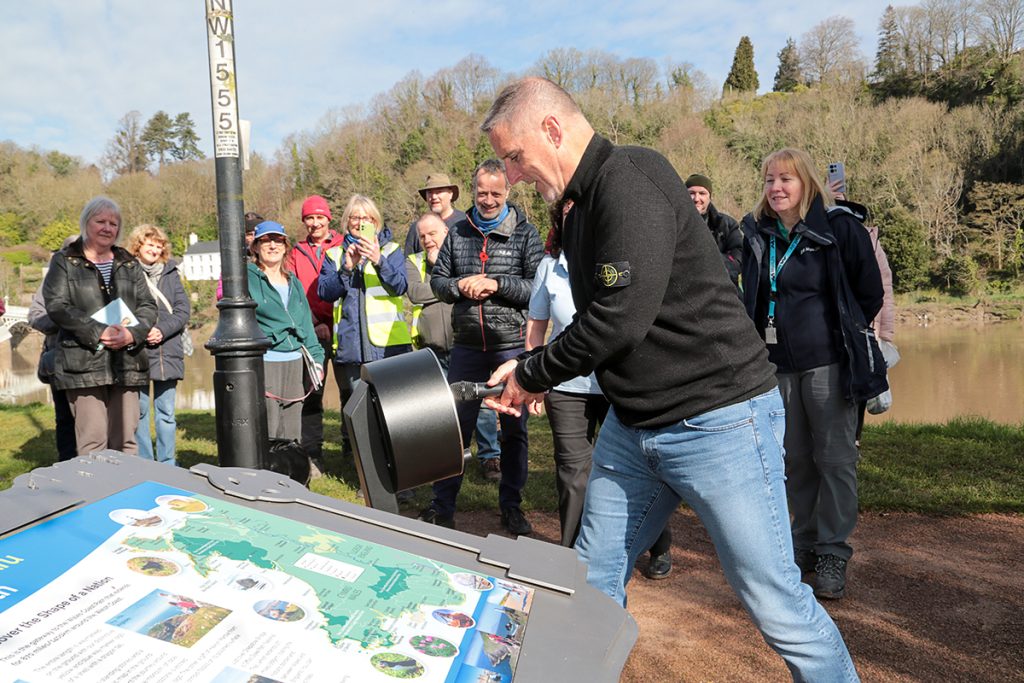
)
(284, 413)
(105, 417)
(821, 460)
(574, 420)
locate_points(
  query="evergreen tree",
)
(742, 76)
(788, 76)
(887, 58)
(186, 141)
(158, 137)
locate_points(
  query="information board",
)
(156, 583)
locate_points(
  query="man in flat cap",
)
(439, 192)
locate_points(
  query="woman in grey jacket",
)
(164, 342)
(100, 363)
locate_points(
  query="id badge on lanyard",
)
(771, 334)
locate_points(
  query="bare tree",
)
(126, 152)
(830, 51)
(1003, 24)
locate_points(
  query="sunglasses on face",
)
(277, 239)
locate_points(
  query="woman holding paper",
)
(96, 293)
(164, 343)
(282, 312)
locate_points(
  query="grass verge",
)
(966, 466)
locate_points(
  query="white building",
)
(202, 259)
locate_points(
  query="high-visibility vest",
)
(419, 261)
(383, 313)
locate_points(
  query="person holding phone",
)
(796, 254)
(365, 278)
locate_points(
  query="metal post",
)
(237, 344)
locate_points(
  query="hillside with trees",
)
(931, 133)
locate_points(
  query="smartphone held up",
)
(837, 177)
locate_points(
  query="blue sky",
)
(70, 69)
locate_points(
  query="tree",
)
(183, 133)
(829, 52)
(1003, 24)
(742, 76)
(126, 152)
(788, 75)
(887, 58)
(54, 234)
(158, 137)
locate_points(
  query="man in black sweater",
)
(696, 415)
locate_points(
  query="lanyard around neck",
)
(775, 269)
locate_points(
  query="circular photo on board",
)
(472, 581)
(452, 618)
(139, 518)
(153, 566)
(279, 610)
(250, 583)
(182, 503)
(432, 646)
(397, 665)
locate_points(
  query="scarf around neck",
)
(487, 225)
(153, 272)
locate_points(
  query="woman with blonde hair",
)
(800, 258)
(164, 341)
(282, 312)
(365, 275)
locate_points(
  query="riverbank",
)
(931, 309)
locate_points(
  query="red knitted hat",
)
(316, 205)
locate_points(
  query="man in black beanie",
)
(724, 227)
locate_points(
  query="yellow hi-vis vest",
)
(383, 314)
(419, 261)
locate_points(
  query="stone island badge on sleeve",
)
(613, 274)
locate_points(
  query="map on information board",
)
(159, 584)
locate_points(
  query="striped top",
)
(106, 268)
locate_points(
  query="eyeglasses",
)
(277, 239)
(359, 219)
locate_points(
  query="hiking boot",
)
(515, 521)
(830, 583)
(659, 567)
(491, 469)
(805, 559)
(430, 515)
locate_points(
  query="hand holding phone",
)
(368, 231)
(837, 177)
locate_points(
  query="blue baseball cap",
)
(269, 228)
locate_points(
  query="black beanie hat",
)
(698, 180)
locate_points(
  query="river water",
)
(945, 372)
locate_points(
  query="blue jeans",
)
(163, 401)
(487, 446)
(727, 465)
(476, 366)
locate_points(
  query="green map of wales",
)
(391, 584)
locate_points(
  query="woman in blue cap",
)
(282, 312)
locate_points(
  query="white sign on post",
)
(221, 35)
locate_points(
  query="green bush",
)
(54, 234)
(903, 239)
(959, 274)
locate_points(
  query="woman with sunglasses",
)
(282, 312)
